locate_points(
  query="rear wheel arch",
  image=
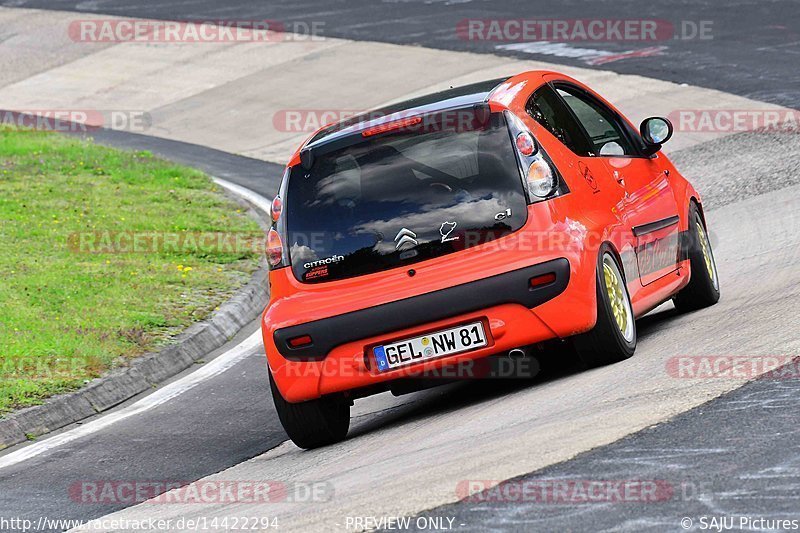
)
(594, 260)
(606, 343)
(617, 257)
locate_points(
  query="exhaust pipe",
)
(516, 353)
(517, 365)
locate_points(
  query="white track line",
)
(163, 395)
(251, 196)
(217, 366)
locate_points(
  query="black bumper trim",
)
(508, 287)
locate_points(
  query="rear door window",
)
(546, 108)
(605, 133)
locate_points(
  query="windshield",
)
(403, 197)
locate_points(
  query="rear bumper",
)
(340, 357)
(507, 288)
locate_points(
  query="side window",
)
(546, 108)
(605, 134)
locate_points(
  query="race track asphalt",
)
(751, 47)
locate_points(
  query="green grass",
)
(67, 315)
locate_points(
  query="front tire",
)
(313, 423)
(613, 337)
(703, 288)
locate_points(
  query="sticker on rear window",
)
(446, 229)
(317, 272)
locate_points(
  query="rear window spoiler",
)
(339, 142)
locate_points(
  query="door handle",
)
(619, 177)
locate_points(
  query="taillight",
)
(540, 175)
(274, 248)
(277, 208)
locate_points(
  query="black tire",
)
(703, 288)
(606, 343)
(313, 423)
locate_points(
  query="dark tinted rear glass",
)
(403, 197)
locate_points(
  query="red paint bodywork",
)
(601, 207)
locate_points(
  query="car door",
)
(546, 108)
(650, 211)
(606, 200)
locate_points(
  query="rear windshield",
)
(402, 197)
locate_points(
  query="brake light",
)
(395, 125)
(525, 144)
(274, 249)
(277, 208)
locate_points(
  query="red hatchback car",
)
(483, 220)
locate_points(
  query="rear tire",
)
(312, 423)
(703, 288)
(613, 337)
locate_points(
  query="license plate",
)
(430, 346)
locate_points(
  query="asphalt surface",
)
(257, 175)
(168, 443)
(735, 457)
(176, 443)
(721, 162)
(750, 47)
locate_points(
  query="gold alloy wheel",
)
(618, 297)
(705, 247)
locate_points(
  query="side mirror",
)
(655, 132)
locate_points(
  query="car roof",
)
(453, 97)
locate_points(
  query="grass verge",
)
(105, 255)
